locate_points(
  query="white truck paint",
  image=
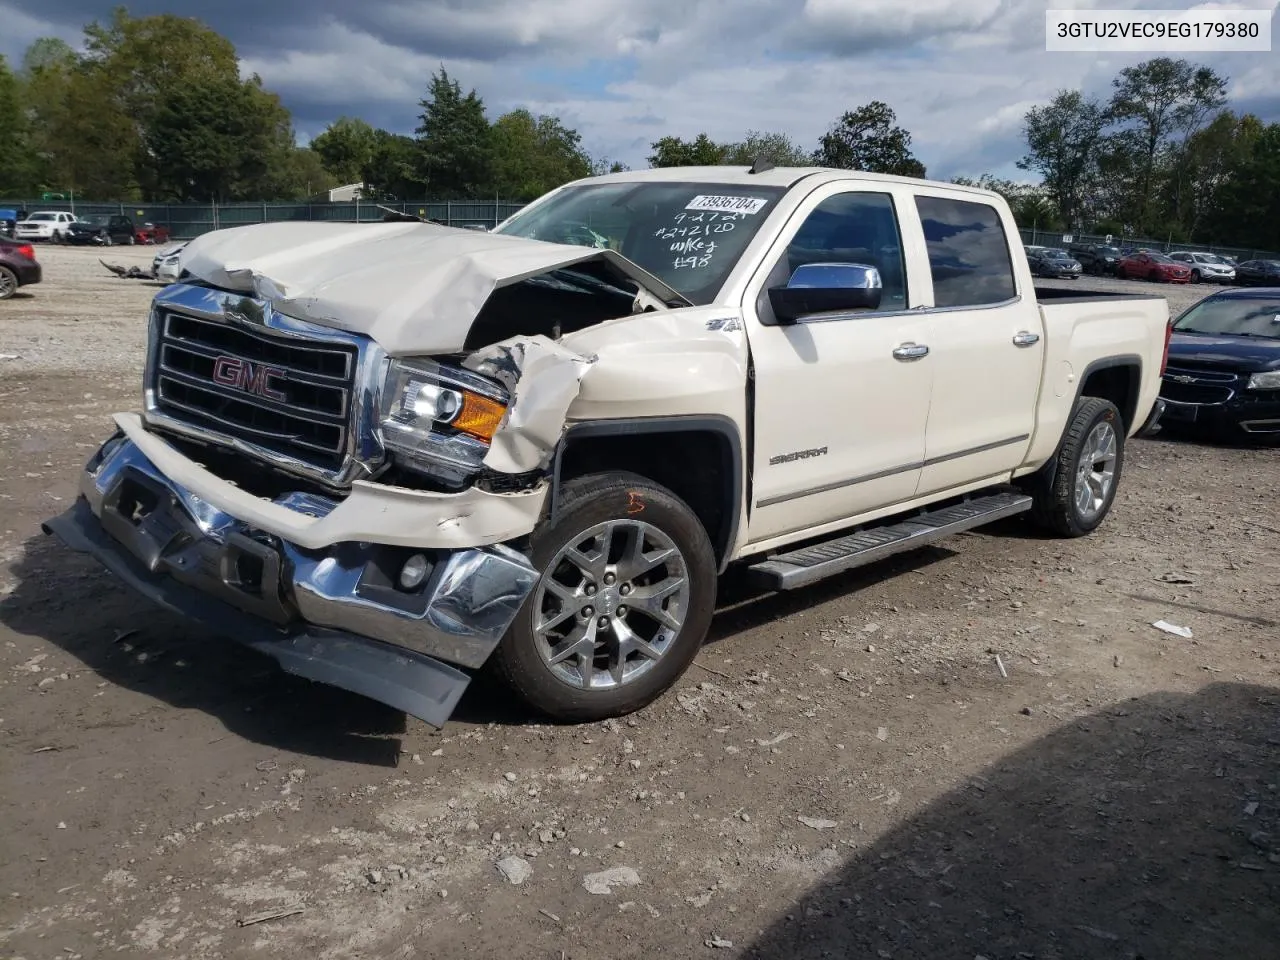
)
(592, 375)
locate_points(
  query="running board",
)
(787, 571)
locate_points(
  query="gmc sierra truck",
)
(390, 455)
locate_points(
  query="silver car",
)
(164, 266)
(1206, 267)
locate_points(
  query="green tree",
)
(1153, 102)
(868, 139)
(391, 169)
(602, 165)
(776, 148)
(17, 175)
(196, 139)
(455, 158)
(216, 139)
(141, 66)
(1062, 142)
(96, 142)
(346, 148)
(303, 176)
(532, 155)
(701, 151)
(1247, 211)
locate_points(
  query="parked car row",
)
(1141, 263)
(58, 226)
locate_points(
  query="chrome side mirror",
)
(817, 288)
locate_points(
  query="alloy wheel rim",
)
(610, 605)
(1096, 471)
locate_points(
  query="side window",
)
(854, 228)
(968, 252)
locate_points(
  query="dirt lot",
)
(848, 772)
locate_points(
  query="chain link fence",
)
(186, 220)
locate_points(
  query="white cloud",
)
(959, 73)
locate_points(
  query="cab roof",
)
(771, 177)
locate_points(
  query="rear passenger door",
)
(986, 344)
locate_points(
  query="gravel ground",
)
(981, 749)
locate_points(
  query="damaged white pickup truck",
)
(388, 455)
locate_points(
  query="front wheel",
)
(625, 597)
(1075, 491)
(8, 283)
(1195, 276)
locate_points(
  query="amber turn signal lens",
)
(479, 416)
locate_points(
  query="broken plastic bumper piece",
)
(348, 614)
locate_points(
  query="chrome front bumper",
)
(340, 609)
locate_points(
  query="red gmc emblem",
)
(249, 377)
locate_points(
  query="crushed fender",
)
(543, 379)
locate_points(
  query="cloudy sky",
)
(960, 73)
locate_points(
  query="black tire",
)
(8, 283)
(583, 503)
(1195, 276)
(131, 241)
(1055, 487)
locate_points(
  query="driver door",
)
(841, 403)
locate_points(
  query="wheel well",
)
(699, 465)
(1120, 384)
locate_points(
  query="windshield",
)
(1209, 258)
(1055, 254)
(689, 235)
(1159, 258)
(1236, 316)
(1109, 251)
(43, 216)
(98, 220)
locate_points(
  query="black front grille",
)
(285, 395)
(1194, 385)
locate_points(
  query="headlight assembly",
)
(438, 420)
(1265, 381)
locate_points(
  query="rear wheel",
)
(131, 241)
(8, 283)
(1074, 492)
(1195, 276)
(625, 597)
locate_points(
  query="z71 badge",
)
(798, 455)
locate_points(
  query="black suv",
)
(1096, 258)
(102, 229)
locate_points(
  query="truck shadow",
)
(70, 601)
(1148, 830)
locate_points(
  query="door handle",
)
(1025, 338)
(910, 351)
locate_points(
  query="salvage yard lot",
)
(978, 749)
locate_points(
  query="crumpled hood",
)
(415, 288)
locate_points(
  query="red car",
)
(1153, 266)
(150, 233)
